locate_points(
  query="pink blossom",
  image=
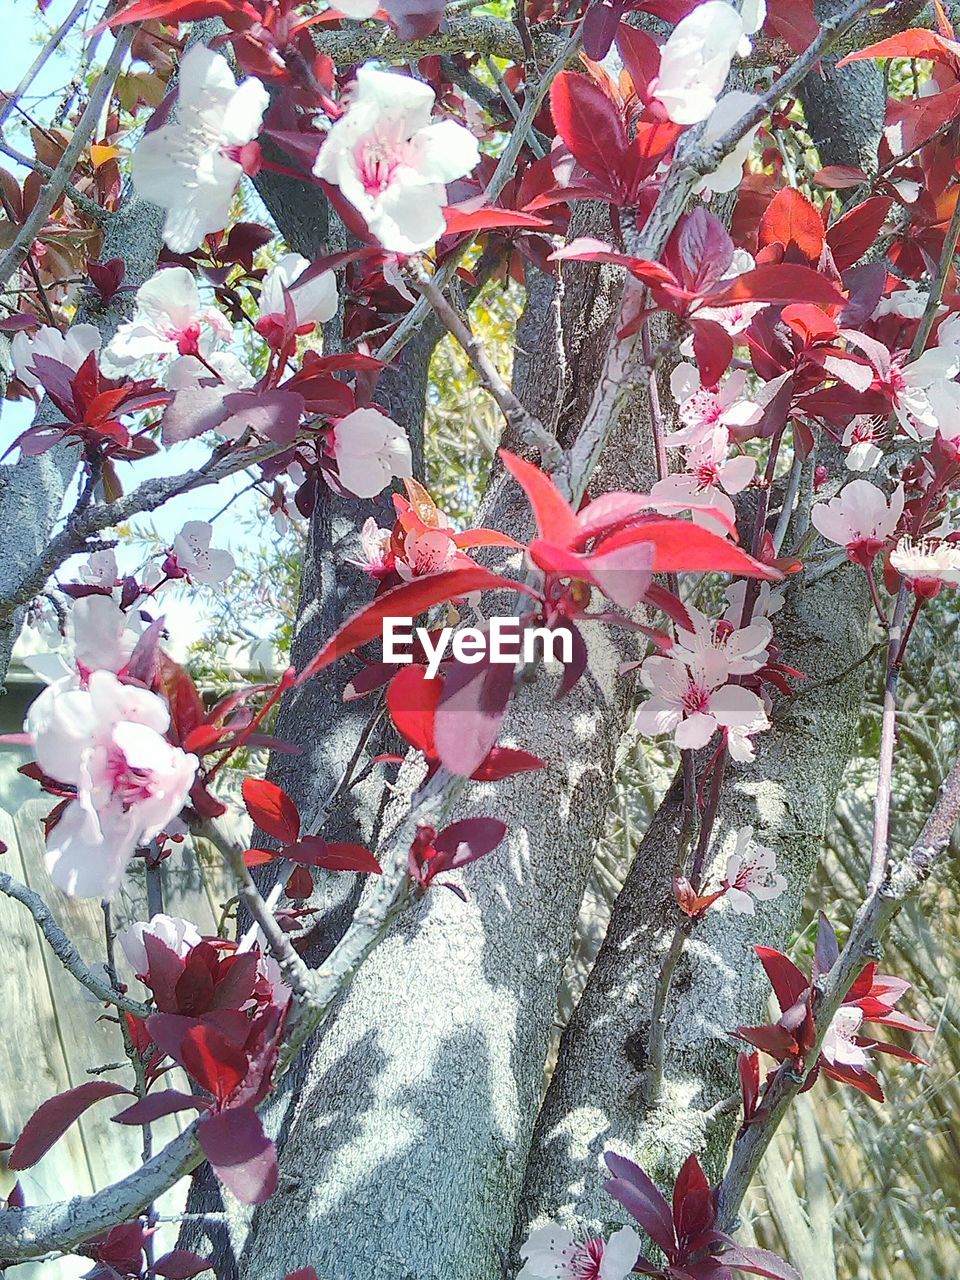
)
(370, 449)
(693, 700)
(700, 409)
(375, 556)
(859, 518)
(219, 373)
(695, 61)
(107, 741)
(179, 935)
(191, 166)
(927, 564)
(70, 348)
(751, 873)
(170, 321)
(103, 635)
(553, 1253)
(426, 553)
(313, 303)
(860, 441)
(839, 1044)
(766, 601)
(392, 163)
(730, 110)
(709, 478)
(195, 557)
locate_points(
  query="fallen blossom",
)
(392, 163)
(107, 741)
(196, 559)
(70, 349)
(859, 518)
(553, 1253)
(695, 61)
(170, 320)
(370, 449)
(191, 166)
(751, 872)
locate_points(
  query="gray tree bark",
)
(406, 1148)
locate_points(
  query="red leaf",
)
(181, 1264)
(779, 282)
(213, 1061)
(555, 517)
(54, 1117)
(915, 42)
(470, 712)
(693, 1210)
(591, 126)
(640, 54)
(852, 235)
(271, 809)
(305, 1273)
(240, 1153)
(314, 851)
(183, 11)
(683, 547)
(789, 983)
(490, 218)
(790, 218)
(156, 1105)
(712, 349)
(469, 840)
(406, 601)
(504, 762)
(412, 702)
(839, 177)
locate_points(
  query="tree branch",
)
(64, 949)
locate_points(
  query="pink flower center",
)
(702, 407)
(708, 475)
(377, 163)
(695, 699)
(127, 784)
(188, 340)
(586, 1260)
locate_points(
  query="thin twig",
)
(64, 949)
(51, 192)
(529, 428)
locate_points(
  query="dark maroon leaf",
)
(107, 277)
(827, 951)
(467, 841)
(642, 1200)
(706, 250)
(156, 1105)
(54, 1117)
(181, 1264)
(758, 1261)
(240, 1153)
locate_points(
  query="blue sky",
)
(25, 31)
